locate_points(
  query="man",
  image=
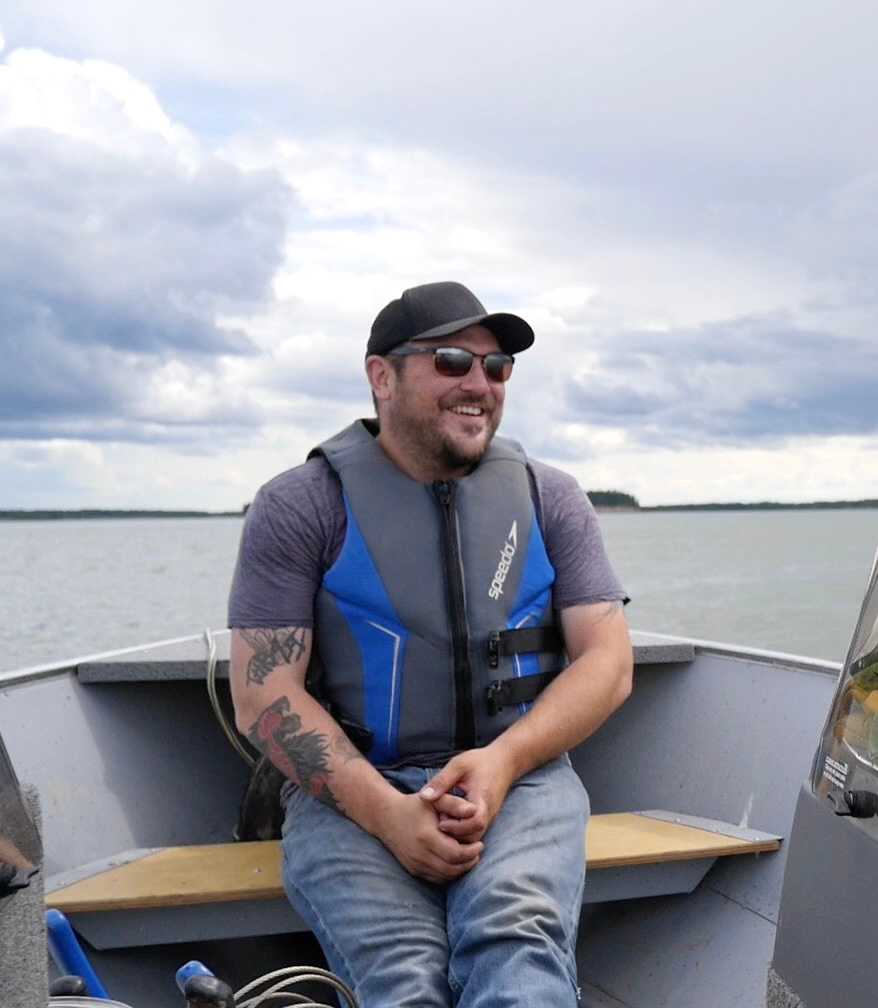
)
(418, 571)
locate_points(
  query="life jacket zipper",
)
(464, 715)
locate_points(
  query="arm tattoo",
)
(301, 756)
(270, 649)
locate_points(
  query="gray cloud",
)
(745, 380)
(730, 133)
(112, 268)
(34, 479)
(184, 438)
(593, 88)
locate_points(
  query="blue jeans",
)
(502, 935)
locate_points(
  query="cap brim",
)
(513, 333)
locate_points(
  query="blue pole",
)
(68, 955)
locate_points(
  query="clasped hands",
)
(438, 833)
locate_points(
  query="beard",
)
(454, 457)
(424, 437)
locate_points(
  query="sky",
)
(204, 205)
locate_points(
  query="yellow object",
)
(871, 702)
(227, 873)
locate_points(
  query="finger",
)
(479, 817)
(443, 872)
(453, 852)
(462, 869)
(457, 808)
(444, 781)
(463, 830)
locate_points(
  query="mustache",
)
(485, 404)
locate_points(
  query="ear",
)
(382, 377)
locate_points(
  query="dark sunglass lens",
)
(453, 362)
(498, 366)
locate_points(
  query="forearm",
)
(307, 745)
(572, 707)
(575, 704)
(282, 720)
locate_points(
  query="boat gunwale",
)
(824, 666)
(49, 669)
(819, 665)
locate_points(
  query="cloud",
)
(203, 222)
(740, 381)
(638, 343)
(597, 84)
(122, 246)
(46, 474)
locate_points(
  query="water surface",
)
(784, 580)
(69, 588)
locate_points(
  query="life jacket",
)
(434, 628)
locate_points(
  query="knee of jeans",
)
(523, 911)
(530, 935)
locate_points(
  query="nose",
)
(476, 380)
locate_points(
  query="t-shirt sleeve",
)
(286, 545)
(574, 543)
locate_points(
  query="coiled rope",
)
(229, 732)
(277, 986)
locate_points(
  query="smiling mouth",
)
(472, 411)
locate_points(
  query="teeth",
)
(468, 410)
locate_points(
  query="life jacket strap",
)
(508, 692)
(526, 640)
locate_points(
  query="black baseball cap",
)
(440, 309)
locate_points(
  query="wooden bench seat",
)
(220, 890)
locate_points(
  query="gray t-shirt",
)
(296, 526)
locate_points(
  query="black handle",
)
(862, 804)
(208, 992)
(67, 984)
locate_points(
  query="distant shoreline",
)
(97, 513)
(89, 513)
(738, 506)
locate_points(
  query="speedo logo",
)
(506, 555)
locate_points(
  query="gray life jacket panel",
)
(439, 591)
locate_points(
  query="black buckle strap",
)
(502, 643)
(509, 692)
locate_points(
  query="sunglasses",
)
(455, 362)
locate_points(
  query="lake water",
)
(784, 580)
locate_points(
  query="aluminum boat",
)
(127, 757)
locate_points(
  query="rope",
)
(230, 734)
(276, 989)
(279, 982)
